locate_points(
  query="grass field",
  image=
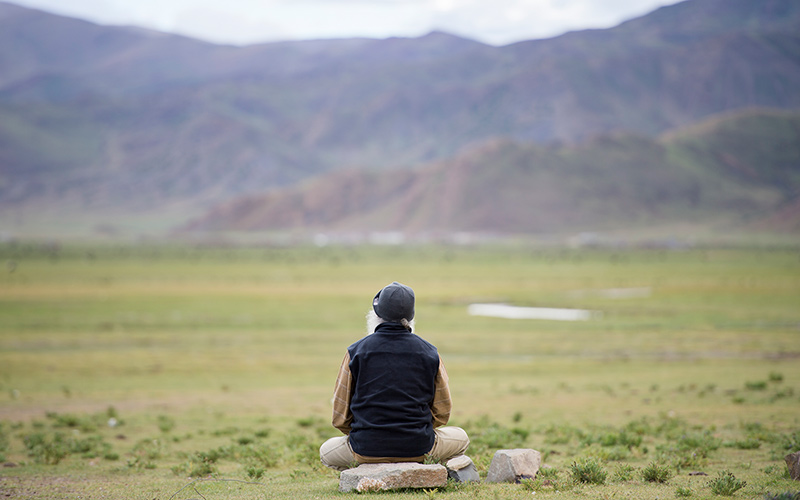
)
(131, 371)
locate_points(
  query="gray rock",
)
(462, 470)
(511, 466)
(793, 462)
(377, 477)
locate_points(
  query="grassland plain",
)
(158, 372)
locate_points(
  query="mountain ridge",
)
(133, 121)
(608, 183)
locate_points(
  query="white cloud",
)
(249, 21)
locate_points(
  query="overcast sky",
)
(497, 22)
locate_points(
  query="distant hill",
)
(99, 120)
(739, 171)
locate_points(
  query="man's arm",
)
(342, 416)
(440, 408)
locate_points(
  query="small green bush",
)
(588, 470)
(245, 440)
(254, 472)
(758, 385)
(656, 473)
(776, 377)
(165, 423)
(89, 447)
(4, 439)
(548, 473)
(682, 492)
(44, 449)
(139, 462)
(745, 444)
(202, 469)
(149, 449)
(624, 472)
(700, 442)
(789, 442)
(726, 484)
(783, 496)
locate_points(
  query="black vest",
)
(394, 373)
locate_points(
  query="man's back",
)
(394, 373)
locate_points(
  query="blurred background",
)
(574, 122)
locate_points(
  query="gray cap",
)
(394, 302)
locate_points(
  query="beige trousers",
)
(450, 442)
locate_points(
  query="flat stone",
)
(378, 477)
(459, 462)
(461, 469)
(793, 463)
(511, 466)
(468, 474)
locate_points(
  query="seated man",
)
(392, 397)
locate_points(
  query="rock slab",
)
(462, 470)
(793, 462)
(378, 477)
(512, 466)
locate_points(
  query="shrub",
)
(701, 443)
(245, 440)
(785, 393)
(588, 470)
(682, 492)
(726, 484)
(783, 496)
(202, 469)
(624, 472)
(85, 424)
(4, 440)
(639, 427)
(254, 472)
(89, 447)
(138, 462)
(789, 441)
(548, 473)
(777, 470)
(745, 444)
(165, 423)
(149, 449)
(656, 473)
(776, 377)
(688, 461)
(45, 449)
(622, 438)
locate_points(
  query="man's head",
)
(394, 302)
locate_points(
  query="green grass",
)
(131, 371)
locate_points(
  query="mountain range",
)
(128, 129)
(738, 171)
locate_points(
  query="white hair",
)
(373, 320)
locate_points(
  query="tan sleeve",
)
(440, 409)
(342, 416)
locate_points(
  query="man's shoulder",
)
(357, 343)
(373, 339)
(423, 341)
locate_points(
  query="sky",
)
(241, 22)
